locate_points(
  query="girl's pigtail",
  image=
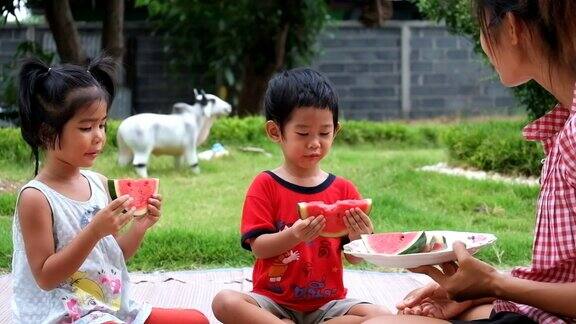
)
(104, 70)
(30, 110)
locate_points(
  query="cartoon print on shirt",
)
(313, 290)
(307, 269)
(279, 267)
(80, 281)
(113, 286)
(87, 216)
(324, 249)
(73, 309)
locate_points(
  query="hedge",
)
(250, 131)
(494, 146)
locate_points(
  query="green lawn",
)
(200, 224)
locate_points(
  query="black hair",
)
(299, 87)
(551, 20)
(50, 96)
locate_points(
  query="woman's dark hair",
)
(50, 96)
(552, 21)
(300, 87)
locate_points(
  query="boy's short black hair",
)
(299, 87)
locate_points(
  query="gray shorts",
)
(332, 309)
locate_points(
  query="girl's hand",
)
(305, 230)
(357, 223)
(468, 279)
(432, 301)
(112, 218)
(152, 216)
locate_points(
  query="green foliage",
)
(215, 38)
(9, 76)
(7, 203)
(458, 16)
(494, 146)
(12, 146)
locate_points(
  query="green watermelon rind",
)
(303, 214)
(113, 190)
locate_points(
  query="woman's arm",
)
(471, 279)
(557, 298)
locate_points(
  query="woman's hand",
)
(432, 301)
(112, 218)
(357, 223)
(467, 279)
(152, 216)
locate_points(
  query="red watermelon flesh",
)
(139, 189)
(334, 213)
(396, 243)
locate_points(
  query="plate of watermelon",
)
(414, 249)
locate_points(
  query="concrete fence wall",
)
(407, 69)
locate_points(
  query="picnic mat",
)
(196, 289)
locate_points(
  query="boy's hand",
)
(306, 230)
(110, 219)
(357, 223)
(152, 216)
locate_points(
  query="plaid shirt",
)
(554, 248)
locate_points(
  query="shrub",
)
(12, 145)
(250, 131)
(494, 146)
(7, 203)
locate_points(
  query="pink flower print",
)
(73, 308)
(113, 283)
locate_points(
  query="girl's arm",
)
(130, 241)
(303, 230)
(51, 268)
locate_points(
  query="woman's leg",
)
(176, 316)
(474, 313)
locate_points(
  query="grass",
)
(201, 213)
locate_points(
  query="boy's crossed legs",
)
(235, 307)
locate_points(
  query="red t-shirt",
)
(310, 274)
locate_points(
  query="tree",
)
(59, 17)
(457, 14)
(241, 43)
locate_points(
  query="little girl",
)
(69, 255)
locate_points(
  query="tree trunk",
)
(255, 78)
(376, 12)
(113, 29)
(59, 18)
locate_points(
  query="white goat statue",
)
(178, 134)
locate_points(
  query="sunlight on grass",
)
(201, 213)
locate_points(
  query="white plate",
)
(473, 241)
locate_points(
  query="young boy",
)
(298, 274)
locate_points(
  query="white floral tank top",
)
(98, 292)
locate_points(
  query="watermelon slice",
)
(396, 243)
(334, 213)
(435, 243)
(139, 189)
